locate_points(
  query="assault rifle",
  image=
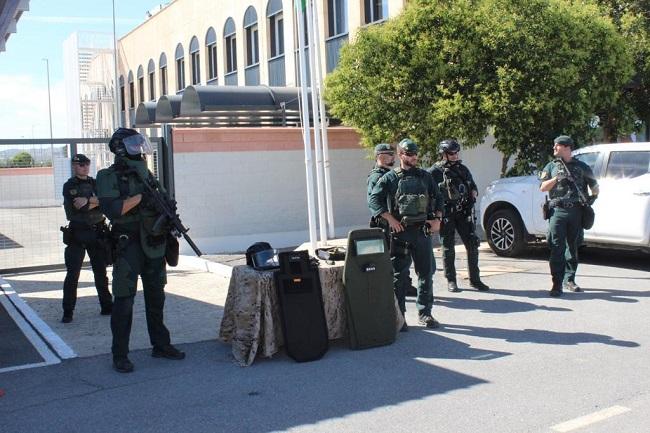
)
(167, 208)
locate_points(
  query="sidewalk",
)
(196, 291)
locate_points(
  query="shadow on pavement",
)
(588, 294)
(271, 395)
(537, 336)
(491, 305)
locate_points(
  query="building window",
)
(122, 95)
(337, 17)
(151, 72)
(162, 65)
(131, 91)
(375, 10)
(276, 27)
(252, 38)
(195, 61)
(140, 84)
(180, 68)
(211, 53)
(230, 44)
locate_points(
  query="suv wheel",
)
(505, 233)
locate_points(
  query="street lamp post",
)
(118, 121)
(49, 108)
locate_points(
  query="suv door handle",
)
(642, 193)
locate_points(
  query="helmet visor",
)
(267, 259)
(137, 144)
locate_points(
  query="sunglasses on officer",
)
(411, 153)
(81, 164)
(451, 153)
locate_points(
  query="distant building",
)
(89, 84)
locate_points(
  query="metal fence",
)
(32, 174)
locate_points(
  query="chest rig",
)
(412, 196)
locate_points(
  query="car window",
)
(588, 158)
(626, 165)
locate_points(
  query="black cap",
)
(80, 158)
(564, 140)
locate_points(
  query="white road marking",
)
(14, 301)
(592, 418)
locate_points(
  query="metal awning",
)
(10, 13)
(224, 106)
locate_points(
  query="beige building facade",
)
(239, 42)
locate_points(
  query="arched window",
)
(195, 61)
(151, 73)
(230, 46)
(131, 90)
(180, 67)
(140, 84)
(276, 27)
(211, 54)
(122, 94)
(375, 10)
(162, 65)
(252, 38)
(337, 17)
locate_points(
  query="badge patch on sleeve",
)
(543, 175)
(73, 192)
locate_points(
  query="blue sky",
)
(40, 34)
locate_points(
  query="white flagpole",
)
(304, 112)
(313, 49)
(318, 86)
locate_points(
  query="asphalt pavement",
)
(508, 360)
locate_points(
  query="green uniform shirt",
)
(374, 176)
(86, 188)
(383, 196)
(564, 190)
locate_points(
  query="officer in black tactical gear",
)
(85, 233)
(459, 193)
(139, 246)
(566, 179)
(410, 201)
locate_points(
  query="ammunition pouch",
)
(172, 250)
(398, 247)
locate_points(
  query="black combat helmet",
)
(449, 146)
(130, 143)
(116, 145)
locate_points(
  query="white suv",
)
(511, 213)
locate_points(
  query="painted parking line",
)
(28, 317)
(592, 418)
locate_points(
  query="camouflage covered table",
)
(251, 318)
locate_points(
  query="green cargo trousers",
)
(565, 226)
(131, 263)
(457, 222)
(413, 246)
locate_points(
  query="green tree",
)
(22, 159)
(524, 70)
(632, 18)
